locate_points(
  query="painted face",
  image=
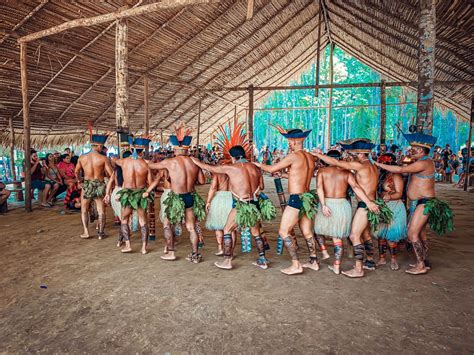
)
(416, 152)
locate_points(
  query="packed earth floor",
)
(98, 300)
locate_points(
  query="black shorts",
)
(361, 204)
(188, 199)
(255, 203)
(295, 201)
(423, 201)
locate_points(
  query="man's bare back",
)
(183, 173)
(367, 177)
(222, 182)
(135, 173)
(94, 165)
(245, 180)
(335, 181)
(300, 172)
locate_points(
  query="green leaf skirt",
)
(133, 199)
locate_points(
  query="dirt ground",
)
(100, 301)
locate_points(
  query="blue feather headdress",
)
(182, 137)
(420, 139)
(357, 145)
(292, 133)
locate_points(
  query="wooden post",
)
(331, 79)
(469, 143)
(426, 65)
(199, 124)
(316, 80)
(250, 6)
(383, 113)
(146, 111)
(236, 120)
(12, 149)
(121, 75)
(250, 121)
(161, 140)
(26, 124)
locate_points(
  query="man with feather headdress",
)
(182, 202)
(302, 203)
(94, 167)
(249, 206)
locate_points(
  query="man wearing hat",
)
(334, 216)
(136, 176)
(302, 203)
(421, 192)
(366, 174)
(94, 167)
(182, 202)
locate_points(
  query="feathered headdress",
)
(292, 133)
(141, 142)
(233, 137)
(357, 145)
(182, 137)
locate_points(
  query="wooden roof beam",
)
(322, 5)
(112, 16)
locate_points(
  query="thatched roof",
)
(186, 51)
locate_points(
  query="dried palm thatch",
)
(187, 51)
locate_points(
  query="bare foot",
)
(165, 250)
(335, 268)
(414, 265)
(144, 251)
(85, 236)
(292, 270)
(353, 273)
(119, 244)
(369, 265)
(325, 255)
(168, 256)
(417, 270)
(312, 265)
(261, 262)
(394, 265)
(126, 250)
(223, 265)
(382, 261)
(219, 253)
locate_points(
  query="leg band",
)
(425, 246)
(393, 246)
(419, 251)
(369, 249)
(101, 232)
(311, 244)
(144, 231)
(359, 252)
(291, 248)
(266, 245)
(383, 248)
(338, 250)
(125, 232)
(228, 245)
(321, 242)
(260, 246)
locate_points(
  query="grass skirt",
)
(221, 205)
(164, 195)
(338, 225)
(117, 207)
(397, 230)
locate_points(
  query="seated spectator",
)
(66, 170)
(4, 195)
(440, 174)
(451, 167)
(53, 176)
(72, 201)
(38, 168)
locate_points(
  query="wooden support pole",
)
(331, 79)
(26, 124)
(318, 57)
(383, 113)
(469, 143)
(12, 149)
(250, 6)
(250, 121)
(121, 76)
(426, 65)
(161, 140)
(199, 123)
(236, 120)
(146, 111)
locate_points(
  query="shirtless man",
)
(420, 190)
(245, 183)
(300, 165)
(366, 175)
(94, 167)
(136, 176)
(334, 216)
(218, 207)
(183, 176)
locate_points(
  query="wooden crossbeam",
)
(112, 16)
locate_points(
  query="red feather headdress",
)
(235, 136)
